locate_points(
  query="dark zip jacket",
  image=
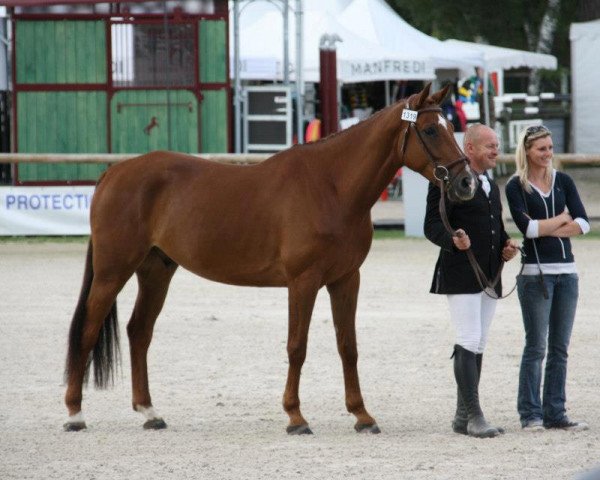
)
(563, 194)
(481, 219)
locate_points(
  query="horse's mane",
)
(358, 126)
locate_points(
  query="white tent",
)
(359, 59)
(379, 23)
(585, 68)
(501, 58)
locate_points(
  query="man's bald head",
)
(475, 134)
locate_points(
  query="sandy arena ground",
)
(218, 367)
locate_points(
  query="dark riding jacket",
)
(481, 219)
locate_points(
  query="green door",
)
(212, 64)
(61, 122)
(140, 121)
(61, 119)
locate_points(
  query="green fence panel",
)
(61, 122)
(214, 121)
(60, 51)
(212, 48)
(140, 121)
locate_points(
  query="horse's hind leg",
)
(154, 276)
(302, 295)
(343, 294)
(102, 296)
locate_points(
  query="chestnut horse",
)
(301, 220)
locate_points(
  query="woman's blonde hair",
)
(526, 139)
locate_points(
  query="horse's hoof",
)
(74, 426)
(298, 430)
(155, 424)
(367, 428)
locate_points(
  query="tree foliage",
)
(503, 23)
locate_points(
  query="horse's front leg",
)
(344, 294)
(302, 293)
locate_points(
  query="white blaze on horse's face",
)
(442, 121)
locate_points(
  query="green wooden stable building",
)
(124, 79)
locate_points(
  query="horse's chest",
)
(349, 244)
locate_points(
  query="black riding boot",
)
(459, 424)
(467, 379)
(479, 360)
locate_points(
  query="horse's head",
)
(429, 146)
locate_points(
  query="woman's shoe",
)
(566, 424)
(535, 425)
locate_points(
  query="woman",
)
(546, 207)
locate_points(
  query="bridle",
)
(442, 175)
(440, 172)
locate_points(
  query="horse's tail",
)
(106, 355)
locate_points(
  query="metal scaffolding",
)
(284, 6)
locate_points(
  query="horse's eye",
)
(429, 131)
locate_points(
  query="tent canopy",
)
(500, 58)
(377, 44)
(379, 23)
(359, 58)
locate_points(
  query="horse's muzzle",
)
(462, 186)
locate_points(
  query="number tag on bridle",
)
(409, 115)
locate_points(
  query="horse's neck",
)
(364, 159)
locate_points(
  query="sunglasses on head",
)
(535, 129)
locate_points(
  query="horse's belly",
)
(224, 267)
(243, 278)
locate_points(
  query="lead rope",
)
(440, 172)
(480, 275)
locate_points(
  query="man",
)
(479, 226)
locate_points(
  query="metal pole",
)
(168, 74)
(388, 100)
(286, 43)
(328, 86)
(237, 84)
(338, 97)
(486, 97)
(299, 77)
(324, 84)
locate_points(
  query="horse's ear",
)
(438, 97)
(423, 96)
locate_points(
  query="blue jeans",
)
(546, 321)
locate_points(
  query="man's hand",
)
(461, 240)
(510, 249)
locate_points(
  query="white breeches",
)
(472, 314)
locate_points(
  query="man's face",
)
(483, 151)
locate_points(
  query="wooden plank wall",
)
(63, 52)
